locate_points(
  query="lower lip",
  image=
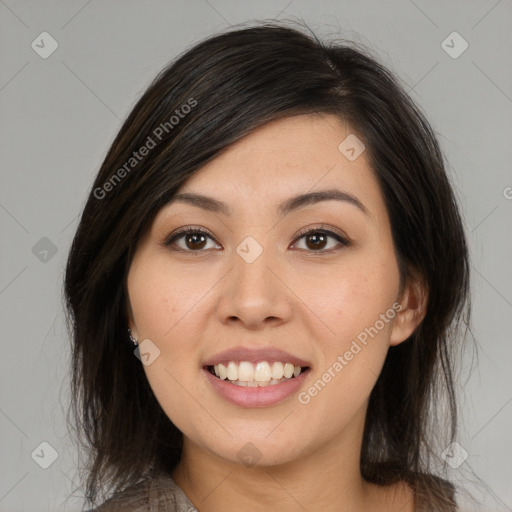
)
(256, 396)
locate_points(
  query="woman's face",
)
(257, 285)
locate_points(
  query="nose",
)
(254, 293)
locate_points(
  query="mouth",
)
(260, 374)
(251, 377)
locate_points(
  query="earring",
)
(132, 338)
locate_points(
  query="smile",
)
(260, 374)
(263, 390)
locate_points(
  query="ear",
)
(413, 308)
(133, 329)
(129, 315)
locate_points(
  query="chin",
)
(255, 451)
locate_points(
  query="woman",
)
(274, 235)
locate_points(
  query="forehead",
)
(284, 158)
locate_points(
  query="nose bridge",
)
(251, 261)
(252, 291)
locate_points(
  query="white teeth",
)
(288, 370)
(277, 370)
(223, 371)
(246, 372)
(232, 373)
(262, 372)
(259, 375)
(254, 384)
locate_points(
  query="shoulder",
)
(157, 493)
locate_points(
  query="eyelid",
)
(330, 231)
(184, 230)
(327, 230)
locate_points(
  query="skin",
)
(194, 304)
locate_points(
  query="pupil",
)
(194, 237)
(316, 237)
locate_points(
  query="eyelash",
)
(306, 231)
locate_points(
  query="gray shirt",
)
(163, 494)
(155, 495)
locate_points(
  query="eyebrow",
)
(291, 204)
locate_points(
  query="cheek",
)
(353, 295)
(167, 305)
(359, 315)
(355, 303)
(162, 297)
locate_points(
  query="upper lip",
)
(255, 355)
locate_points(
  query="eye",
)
(316, 239)
(196, 239)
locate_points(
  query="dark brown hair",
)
(232, 83)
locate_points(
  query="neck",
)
(327, 478)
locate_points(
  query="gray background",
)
(58, 116)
